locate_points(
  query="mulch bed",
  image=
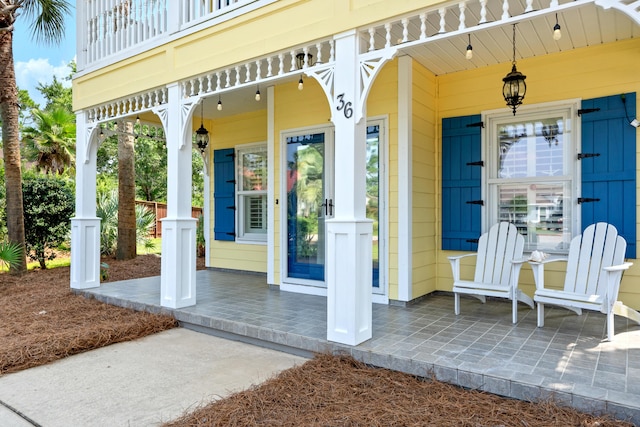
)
(340, 391)
(41, 320)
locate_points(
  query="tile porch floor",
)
(568, 359)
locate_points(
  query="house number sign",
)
(345, 107)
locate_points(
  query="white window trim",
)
(241, 236)
(489, 117)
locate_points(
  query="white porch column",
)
(178, 271)
(85, 226)
(349, 233)
(405, 179)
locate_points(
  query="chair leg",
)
(610, 326)
(456, 303)
(540, 315)
(514, 310)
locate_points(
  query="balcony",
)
(112, 30)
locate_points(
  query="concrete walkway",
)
(138, 383)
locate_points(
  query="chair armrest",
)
(623, 266)
(452, 258)
(538, 270)
(548, 260)
(455, 264)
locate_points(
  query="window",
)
(251, 169)
(531, 178)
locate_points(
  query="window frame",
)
(568, 109)
(242, 235)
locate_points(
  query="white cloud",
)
(29, 74)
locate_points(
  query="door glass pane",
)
(373, 195)
(305, 206)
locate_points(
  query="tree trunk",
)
(11, 146)
(126, 192)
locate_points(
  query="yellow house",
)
(352, 146)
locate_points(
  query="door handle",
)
(328, 207)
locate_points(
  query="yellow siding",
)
(229, 132)
(583, 73)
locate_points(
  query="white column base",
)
(178, 272)
(85, 253)
(349, 312)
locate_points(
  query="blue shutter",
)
(610, 176)
(461, 182)
(224, 194)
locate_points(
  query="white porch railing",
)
(110, 27)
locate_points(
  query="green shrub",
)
(10, 254)
(107, 211)
(48, 208)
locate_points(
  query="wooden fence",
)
(160, 211)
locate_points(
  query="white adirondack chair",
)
(594, 270)
(498, 263)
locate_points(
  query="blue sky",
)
(39, 63)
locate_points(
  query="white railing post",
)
(174, 13)
(82, 33)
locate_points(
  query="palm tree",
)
(47, 21)
(50, 142)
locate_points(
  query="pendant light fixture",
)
(202, 134)
(219, 107)
(258, 94)
(514, 87)
(557, 34)
(469, 54)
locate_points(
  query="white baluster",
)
(209, 77)
(248, 73)
(483, 11)
(305, 62)
(332, 51)
(269, 66)
(237, 68)
(423, 26)
(318, 53)
(228, 73)
(281, 64)
(462, 6)
(258, 70)
(442, 11)
(218, 81)
(405, 30)
(387, 28)
(505, 9)
(293, 60)
(529, 7)
(372, 40)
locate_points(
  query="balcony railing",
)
(118, 28)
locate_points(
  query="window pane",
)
(255, 213)
(254, 170)
(538, 211)
(531, 148)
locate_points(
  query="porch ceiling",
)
(582, 26)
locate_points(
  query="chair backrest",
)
(496, 249)
(599, 246)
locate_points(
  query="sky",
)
(39, 63)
